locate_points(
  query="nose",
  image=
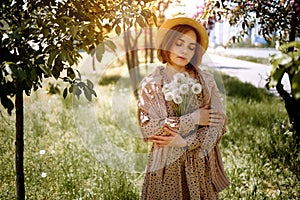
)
(184, 50)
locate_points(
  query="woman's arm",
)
(207, 137)
(152, 114)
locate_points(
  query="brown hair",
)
(163, 52)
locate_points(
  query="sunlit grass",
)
(93, 150)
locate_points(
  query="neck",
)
(175, 69)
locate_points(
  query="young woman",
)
(185, 160)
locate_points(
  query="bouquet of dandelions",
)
(182, 92)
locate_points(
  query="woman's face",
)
(183, 49)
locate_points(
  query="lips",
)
(182, 57)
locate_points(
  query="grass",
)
(93, 150)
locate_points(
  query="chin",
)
(182, 64)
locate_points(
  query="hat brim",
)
(167, 25)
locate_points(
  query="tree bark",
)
(291, 104)
(146, 45)
(132, 59)
(292, 107)
(20, 146)
(152, 48)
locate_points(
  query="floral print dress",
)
(181, 173)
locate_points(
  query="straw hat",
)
(167, 25)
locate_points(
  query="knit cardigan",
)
(153, 116)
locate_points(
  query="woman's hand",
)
(170, 139)
(209, 117)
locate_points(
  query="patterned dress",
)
(181, 173)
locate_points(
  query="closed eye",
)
(179, 43)
(192, 47)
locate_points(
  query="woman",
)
(185, 160)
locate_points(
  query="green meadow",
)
(75, 149)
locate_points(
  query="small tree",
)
(40, 39)
(277, 20)
(133, 17)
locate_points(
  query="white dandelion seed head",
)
(176, 91)
(167, 88)
(177, 99)
(42, 152)
(180, 78)
(184, 89)
(44, 175)
(169, 96)
(197, 88)
(192, 81)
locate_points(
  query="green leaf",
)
(154, 19)
(233, 39)
(7, 104)
(22, 52)
(65, 93)
(21, 75)
(46, 70)
(276, 76)
(46, 32)
(118, 29)
(71, 73)
(39, 21)
(57, 68)
(285, 59)
(33, 74)
(110, 45)
(289, 45)
(71, 89)
(90, 84)
(40, 60)
(51, 58)
(100, 49)
(74, 30)
(79, 74)
(81, 84)
(140, 21)
(87, 93)
(295, 82)
(77, 91)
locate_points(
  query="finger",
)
(160, 142)
(160, 146)
(214, 124)
(161, 137)
(215, 111)
(216, 115)
(170, 131)
(171, 128)
(215, 121)
(216, 118)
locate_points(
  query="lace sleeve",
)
(153, 115)
(207, 137)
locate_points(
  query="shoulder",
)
(206, 75)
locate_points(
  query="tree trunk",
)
(291, 104)
(152, 48)
(292, 107)
(146, 45)
(132, 60)
(20, 146)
